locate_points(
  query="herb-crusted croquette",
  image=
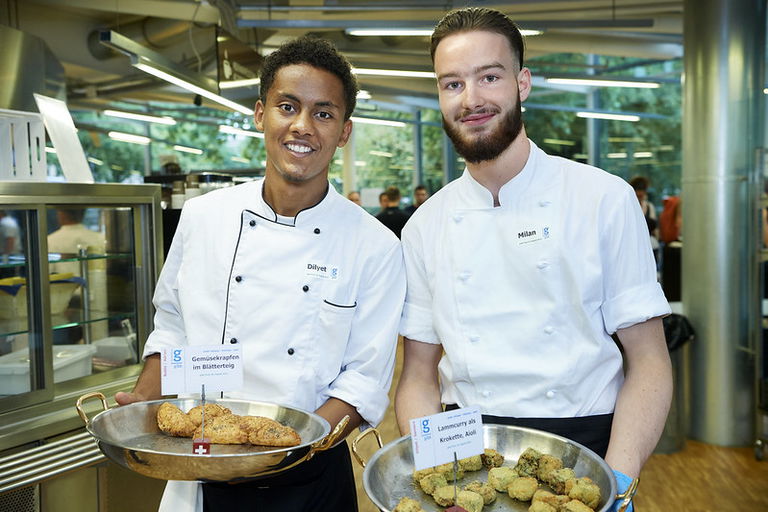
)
(421, 473)
(491, 458)
(576, 506)
(484, 489)
(540, 506)
(522, 488)
(444, 496)
(584, 490)
(431, 482)
(447, 471)
(474, 463)
(408, 505)
(500, 478)
(470, 501)
(528, 462)
(547, 464)
(558, 477)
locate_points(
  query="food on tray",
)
(521, 482)
(500, 478)
(528, 463)
(408, 505)
(223, 427)
(211, 411)
(172, 421)
(431, 482)
(484, 489)
(474, 463)
(522, 488)
(470, 501)
(491, 458)
(584, 490)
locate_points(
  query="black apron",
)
(325, 483)
(594, 432)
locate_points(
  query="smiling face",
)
(480, 90)
(303, 124)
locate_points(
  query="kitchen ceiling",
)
(183, 32)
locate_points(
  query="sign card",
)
(436, 438)
(185, 370)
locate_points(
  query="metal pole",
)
(724, 44)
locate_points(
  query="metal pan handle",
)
(359, 438)
(88, 396)
(330, 440)
(627, 496)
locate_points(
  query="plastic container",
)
(115, 348)
(14, 305)
(69, 362)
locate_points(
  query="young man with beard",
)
(307, 282)
(521, 270)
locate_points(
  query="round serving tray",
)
(388, 474)
(129, 436)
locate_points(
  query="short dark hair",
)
(639, 183)
(392, 193)
(315, 52)
(478, 18)
(420, 187)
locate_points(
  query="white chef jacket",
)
(315, 305)
(524, 297)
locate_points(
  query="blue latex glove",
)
(622, 484)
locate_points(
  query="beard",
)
(485, 148)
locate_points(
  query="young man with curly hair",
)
(307, 282)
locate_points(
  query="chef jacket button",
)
(544, 202)
(457, 218)
(465, 275)
(305, 288)
(550, 394)
(486, 393)
(252, 223)
(317, 231)
(238, 278)
(233, 340)
(549, 329)
(290, 351)
(542, 264)
(474, 339)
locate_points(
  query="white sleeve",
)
(369, 360)
(416, 323)
(631, 292)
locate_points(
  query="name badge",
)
(322, 271)
(185, 370)
(438, 438)
(532, 234)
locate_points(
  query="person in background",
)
(354, 196)
(419, 196)
(306, 282)
(640, 185)
(521, 270)
(383, 201)
(391, 215)
(671, 220)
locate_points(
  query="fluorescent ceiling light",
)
(240, 159)
(409, 32)
(95, 161)
(140, 117)
(603, 83)
(223, 128)
(642, 154)
(765, 91)
(380, 153)
(616, 155)
(610, 117)
(360, 163)
(157, 65)
(362, 94)
(49, 150)
(185, 149)
(117, 167)
(382, 122)
(130, 137)
(559, 142)
(234, 84)
(393, 72)
(666, 147)
(626, 139)
(159, 73)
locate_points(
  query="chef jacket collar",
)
(308, 218)
(479, 197)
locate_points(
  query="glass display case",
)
(78, 266)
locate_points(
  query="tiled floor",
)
(699, 478)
